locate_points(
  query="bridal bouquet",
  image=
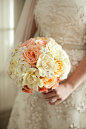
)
(38, 64)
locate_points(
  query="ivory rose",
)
(22, 67)
(56, 51)
(12, 69)
(31, 55)
(14, 59)
(19, 81)
(31, 78)
(51, 43)
(46, 65)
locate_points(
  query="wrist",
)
(70, 85)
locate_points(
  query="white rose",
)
(22, 49)
(14, 59)
(51, 43)
(12, 76)
(44, 50)
(12, 69)
(46, 65)
(64, 57)
(18, 56)
(31, 78)
(22, 67)
(56, 51)
(19, 81)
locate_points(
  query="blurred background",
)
(10, 11)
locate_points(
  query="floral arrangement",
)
(38, 64)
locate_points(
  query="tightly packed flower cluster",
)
(38, 64)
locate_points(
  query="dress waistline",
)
(74, 47)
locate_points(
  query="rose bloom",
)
(41, 41)
(42, 38)
(28, 42)
(31, 55)
(32, 79)
(14, 59)
(64, 75)
(49, 82)
(12, 69)
(46, 65)
(19, 81)
(60, 68)
(22, 67)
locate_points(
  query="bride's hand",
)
(60, 93)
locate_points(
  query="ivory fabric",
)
(65, 21)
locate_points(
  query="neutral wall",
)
(7, 90)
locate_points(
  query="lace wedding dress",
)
(65, 21)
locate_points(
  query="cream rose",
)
(44, 50)
(64, 57)
(12, 69)
(51, 43)
(56, 51)
(19, 81)
(22, 67)
(46, 65)
(14, 59)
(31, 78)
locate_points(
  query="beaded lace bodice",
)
(65, 21)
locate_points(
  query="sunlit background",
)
(10, 11)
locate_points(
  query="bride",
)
(65, 21)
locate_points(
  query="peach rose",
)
(42, 38)
(49, 82)
(28, 42)
(60, 68)
(31, 55)
(41, 41)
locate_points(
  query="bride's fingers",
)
(49, 99)
(56, 102)
(49, 95)
(54, 97)
(50, 90)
